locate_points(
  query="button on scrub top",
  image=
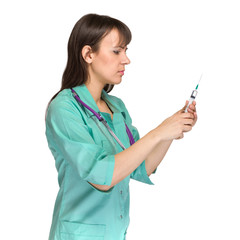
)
(84, 152)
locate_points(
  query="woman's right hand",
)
(175, 126)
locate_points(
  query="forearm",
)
(129, 159)
(156, 156)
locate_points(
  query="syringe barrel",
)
(191, 99)
(194, 94)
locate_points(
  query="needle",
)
(199, 81)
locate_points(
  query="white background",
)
(196, 192)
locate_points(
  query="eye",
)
(116, 52)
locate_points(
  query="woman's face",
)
(108, 63)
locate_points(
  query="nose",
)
(125, 59)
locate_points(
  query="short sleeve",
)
(68, 135)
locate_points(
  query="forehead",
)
(112, 39)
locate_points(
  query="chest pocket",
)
(81, 231)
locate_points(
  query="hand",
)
(192, 109)
(175, 126)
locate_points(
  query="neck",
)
(95, 89)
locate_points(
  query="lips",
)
(121, 72)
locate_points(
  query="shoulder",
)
(61, 104)
(64, 96)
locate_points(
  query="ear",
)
(87, 53)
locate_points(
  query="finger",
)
(188, 115)
(190, 110)
(192, 107)
(195, 118)
(189, 122)
(187, 128)
(183, 109)
(180, 136)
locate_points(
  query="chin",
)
(118, 81)
(114, 81)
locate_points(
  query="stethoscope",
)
(101, 119)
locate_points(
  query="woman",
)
(93, 169)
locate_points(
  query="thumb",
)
(183, 109)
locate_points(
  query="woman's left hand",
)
(192, 109)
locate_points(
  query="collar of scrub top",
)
(101, 119)
(87, 98)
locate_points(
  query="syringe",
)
(194, 95)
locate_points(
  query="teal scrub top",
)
(84, 152)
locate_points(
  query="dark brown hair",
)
(89, 30)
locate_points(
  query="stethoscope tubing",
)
(101, 119)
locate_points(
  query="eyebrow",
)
(120, 47)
